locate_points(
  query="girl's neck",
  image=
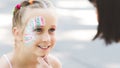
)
(24, 61)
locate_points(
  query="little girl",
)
(34, 26)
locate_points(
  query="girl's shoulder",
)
(3, 62)
(55, 62)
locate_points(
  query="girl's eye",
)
(51, 30)
(38, 30)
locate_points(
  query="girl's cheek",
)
(29, 39)
(53, 39)
(29, 36)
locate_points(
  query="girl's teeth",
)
(44, 47)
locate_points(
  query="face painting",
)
(29, 36)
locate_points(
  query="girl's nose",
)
(46, 37)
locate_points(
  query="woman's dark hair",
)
(109, 20)
(93, 2)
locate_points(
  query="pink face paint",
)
(40, 21)
(30, 35)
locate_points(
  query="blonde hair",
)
(19, 11)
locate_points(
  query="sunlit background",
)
(77, 24)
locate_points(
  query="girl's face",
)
(39, 32)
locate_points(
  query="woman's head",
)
(34, 26)
(109, 20)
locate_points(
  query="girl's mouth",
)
(44, 47)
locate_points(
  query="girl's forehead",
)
(44, 14)
(38, 21)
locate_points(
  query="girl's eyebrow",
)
(40, 26)
(53, 26)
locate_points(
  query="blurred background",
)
(77, 25)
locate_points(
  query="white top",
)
(7, 59)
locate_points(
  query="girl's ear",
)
(15, 31)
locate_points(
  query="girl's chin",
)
(42, 54)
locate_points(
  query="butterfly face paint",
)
(29, 36)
